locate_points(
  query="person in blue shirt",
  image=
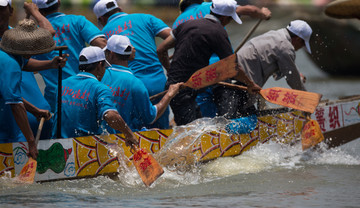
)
(195, 9)
(86, 101)
(141, 30)
(73, 31)
(29, 87)
(14, 124)
(129, 93)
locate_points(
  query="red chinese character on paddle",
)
(211, 74)
(290, 98)
(196, 79)
(273, 94)
(145, 164)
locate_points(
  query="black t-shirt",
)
(196, 41)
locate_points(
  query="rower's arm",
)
(164, 102)
(19, 113)
(162, 51)
(99, 41)
(37, 112)
(32, 10)
(116, 122)
(254, 12)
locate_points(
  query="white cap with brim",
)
(104, 6)
(225, 8)
(43, 4)
(92, 54)
(303, 30)
(119, 44)
(5, 2)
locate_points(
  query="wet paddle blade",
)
(343, 9)
(311, 134)
(148, 168)
(27, 174)
(296, 99)
(214, 73)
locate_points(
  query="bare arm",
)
(164, 102)
(242, 77)
(164, 34)
(32, 10)
(116, 122)
(162, 51)
(34, 65)
(254, 12)
(99, 41)
(22, 121)
(38, 113)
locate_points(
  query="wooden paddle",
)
(296, 99)
(27, 173)
(311, 134)
(343, 9)
(209, 75)
(146, 165)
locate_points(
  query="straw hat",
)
(27, 39)
(343, 9)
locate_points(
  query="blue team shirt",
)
(85, 101)
(72, 31)
(141, 29)
(194, 11)
(10, 93)
(130, 96)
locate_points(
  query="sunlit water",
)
(269, 175)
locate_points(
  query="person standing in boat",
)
(129, 93)
(195, 9)
(29, 88)
(195, 41)
(74, 31)
(141, 29)
(86, 102)
(25, 40)
(273, 54)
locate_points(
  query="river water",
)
(270, 175)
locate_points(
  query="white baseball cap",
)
(301, 29)
(92, 54)
(5, 2)
(104, 6)
(119, 44)
(43, 4)
(225, 8)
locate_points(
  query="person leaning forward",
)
(195, 41)
(129, 93)
(25, 40)
(141, 29)
(86, 102)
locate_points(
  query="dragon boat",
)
(91, 156)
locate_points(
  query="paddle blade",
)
(214, 73)
(148, 168)
(27, 174)
(343, 9)
(296, 99)
(311, 134)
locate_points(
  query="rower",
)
(129, 93)
(195, 41)
(141, 29)
(86, 102)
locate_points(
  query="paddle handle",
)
(239, 87)
(160, 94)
(248, 35)
(38, 133)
